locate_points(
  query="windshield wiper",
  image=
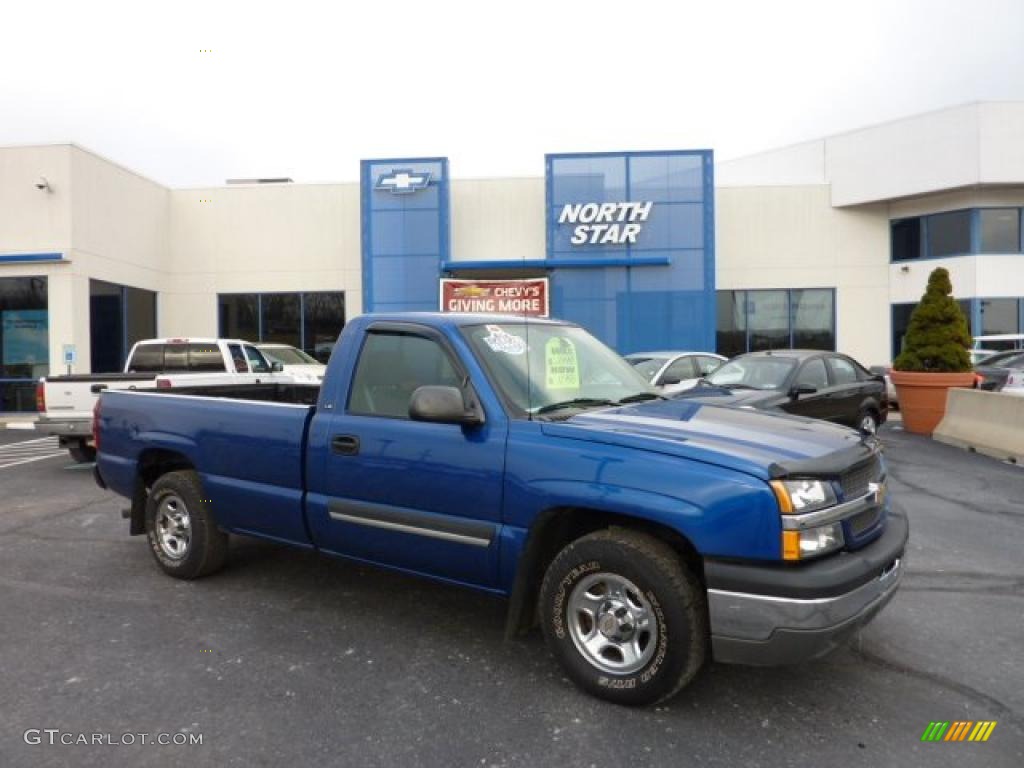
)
(735, 386)
(639, 397)
(576, 402)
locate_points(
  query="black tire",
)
(206, 548)
(866, 417)
(81, 451)
(673, 596)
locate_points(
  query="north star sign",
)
(605, 223)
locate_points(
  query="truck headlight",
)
(811, 542)
(799, 496)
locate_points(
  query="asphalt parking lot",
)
(287, 657)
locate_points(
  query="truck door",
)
(420, 496)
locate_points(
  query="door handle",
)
(346, 445)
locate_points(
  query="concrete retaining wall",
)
(987, 422)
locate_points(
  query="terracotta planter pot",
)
(923, 397)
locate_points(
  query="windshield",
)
(647, 367)
(288, 356)
(753, 373)
(554, 364)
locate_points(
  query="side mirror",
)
(441, 405)
(276, 367)
(666, 380)
(802, 389)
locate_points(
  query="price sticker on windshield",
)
(560, 365)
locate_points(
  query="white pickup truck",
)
(65, 403)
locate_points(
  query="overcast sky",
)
(306, 90)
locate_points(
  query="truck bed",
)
(245, 441)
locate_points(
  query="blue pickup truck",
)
(524, 458)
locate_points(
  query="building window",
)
(281, 318)
(999, 316)
(813, 321)
(949, 234)
(1000, 230)
(767, 320)
(732, 323)
(906, 239)
(955, 233)
(323, 315)
(24, 340)
(119, 316)
(239, 315)
(309, 321)
(751, 321)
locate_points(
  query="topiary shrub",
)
(937, 339)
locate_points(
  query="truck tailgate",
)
(73, 396)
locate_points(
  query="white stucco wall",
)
(249, 238)
(792, 237)
(497, 219)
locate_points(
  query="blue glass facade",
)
(405, 234)
(652, 287)
(630, 243)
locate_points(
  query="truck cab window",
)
(175, 358)
(257, 362)
(238, 358)
(147, 358)
(391, 367)
(205, 358)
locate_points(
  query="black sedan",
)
(812, 383)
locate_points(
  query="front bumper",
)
(771, 615)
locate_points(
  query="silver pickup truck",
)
(65, 403)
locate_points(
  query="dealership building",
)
(825, 244)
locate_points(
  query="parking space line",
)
(34, 458)
(16, 448)
(28, 451)
(48, 438)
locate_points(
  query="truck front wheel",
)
(624, 616)
(182, 534)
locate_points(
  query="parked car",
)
(65, 403)
(1002, 372)
(986, 346)
(890, 389)
(812, 383)
(294, 361)
(647, 535)
(673, 372)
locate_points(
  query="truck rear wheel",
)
(182, 534)
(624, 616)
(81, 451)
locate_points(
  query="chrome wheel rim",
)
(173, 527)
(611, 623)
(867, 424)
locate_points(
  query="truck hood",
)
(758, 443)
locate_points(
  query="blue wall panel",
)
(636, 308)
(405, 232)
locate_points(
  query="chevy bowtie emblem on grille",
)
(402, 181)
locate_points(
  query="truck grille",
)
(863, 521)
(855, 482)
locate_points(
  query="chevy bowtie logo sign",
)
(402, 181)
